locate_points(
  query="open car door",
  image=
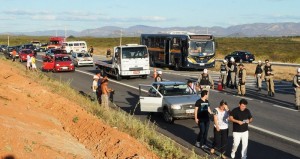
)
(48, 63)
(150, 99)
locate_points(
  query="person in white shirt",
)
(191, 89)
(28, 58)
(221, 117)
(95, 87)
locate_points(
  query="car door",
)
(150, 99)
(48, 63)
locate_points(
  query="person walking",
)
(296, 84)
(158, 77)
(232, 72)
(221, 116)
(205, 81)
(14, 54)
(258, 73)
(224, 72)
(91, 51)
(201, 114)
(105, 92)
(33, 63)
(242, 80)
(268, 75)
(240, 117)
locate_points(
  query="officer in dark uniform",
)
(296, 84)
(232, 73)
(258, 74)
(205, 81)
(268, 75)
(242, 80)
(224, 73)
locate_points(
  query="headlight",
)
(175, 106)
(57, 64)
(71, 64)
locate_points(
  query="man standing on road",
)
(95, 87)
(224, 73)
(91, 51)
(232, 72)
(28, 62)
(205, 81)
(240, 117)
(296, 84)
(268, 75)
(242, 80)
(202, 112)
(14, 54)
(105, 92)
(258, 73)
(98, 90)
(33, 63)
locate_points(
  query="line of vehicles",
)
(177, 50)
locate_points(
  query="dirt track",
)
(35, 123)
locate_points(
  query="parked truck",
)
(127, 60)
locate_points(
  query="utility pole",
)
(7, 40)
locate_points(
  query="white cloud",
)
(43, 17)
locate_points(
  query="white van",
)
(75, 46)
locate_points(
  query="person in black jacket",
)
(258, 73)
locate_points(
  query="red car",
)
(58, 63)
(23, 54)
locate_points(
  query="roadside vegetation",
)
(145, 132)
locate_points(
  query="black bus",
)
(180, 50)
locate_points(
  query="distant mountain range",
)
(245, 30)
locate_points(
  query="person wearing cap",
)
(205, 81)
(158, 77)
(224, 72)
(232, 72)
(242, 80)
(95, 87)
(221, 117)
(191, 89)
(257, 75)
(296, 84)
(268, 76)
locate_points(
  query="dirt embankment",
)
(35, 123)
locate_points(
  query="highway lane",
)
(184, 131)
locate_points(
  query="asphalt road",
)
(274, 132)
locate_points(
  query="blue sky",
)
(39, 15)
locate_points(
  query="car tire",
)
(167, 116)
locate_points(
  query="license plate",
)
(64, 68)
(189, 111)
(251, 59)
(136, 72)
(201, 64)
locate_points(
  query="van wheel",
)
(167, 116)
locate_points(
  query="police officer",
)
(268, 75)
(158, 78)
(232, 72)
(258, 73)
(296, 84)
(224, 72)
(205, 82)
(242, 80)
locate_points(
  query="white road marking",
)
(278, 106)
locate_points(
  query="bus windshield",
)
(201, 47)
(134, 52)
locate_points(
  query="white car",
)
(82, 59)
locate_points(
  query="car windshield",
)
(83, 55)
(62, 58)
(26, 52)
(201, 47)
(174, 90)
(134, 52)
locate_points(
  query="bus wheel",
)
(144, 77)
(177, 67)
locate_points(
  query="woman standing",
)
(221, 115)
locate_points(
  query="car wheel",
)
(167, 116)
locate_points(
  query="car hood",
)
(182, 100)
